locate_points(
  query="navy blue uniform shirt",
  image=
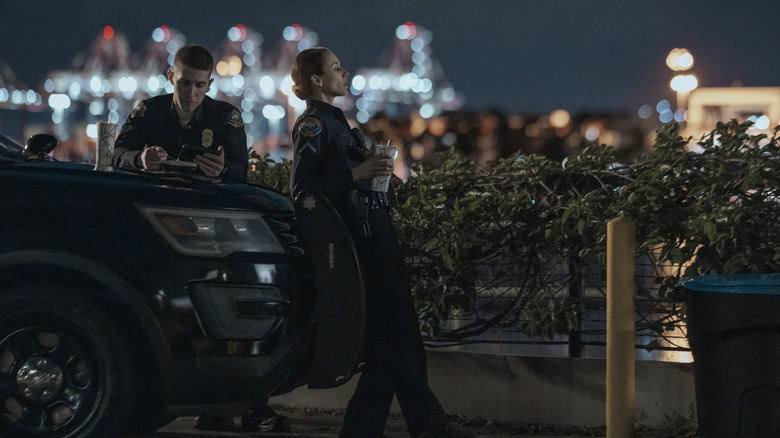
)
(154, 122)
(326, 150)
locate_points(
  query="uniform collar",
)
(199, 115)
(327, 109)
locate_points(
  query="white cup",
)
(104, 153)
(382, 183)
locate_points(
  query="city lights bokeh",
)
(108, 78)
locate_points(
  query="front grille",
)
(286, 229)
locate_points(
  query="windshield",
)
(10, 151)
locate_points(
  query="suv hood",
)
(26, 178)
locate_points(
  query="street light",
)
(679, 60)
(682, 60)
(684, 83)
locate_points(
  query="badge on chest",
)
(207, 138)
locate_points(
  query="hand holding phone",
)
(189, 152)
(211, 164)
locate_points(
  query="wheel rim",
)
(48, 381)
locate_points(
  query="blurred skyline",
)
(519, 57)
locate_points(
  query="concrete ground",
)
(496, 397)
(531, 390)
(321, 423)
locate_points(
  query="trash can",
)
(734, 332)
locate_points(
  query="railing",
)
(589, 285)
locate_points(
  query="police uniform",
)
(154, 122)
(325, 151)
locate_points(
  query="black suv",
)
(128, 298)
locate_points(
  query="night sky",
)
(519, 56)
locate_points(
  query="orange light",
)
(560, 118)
(679, 60)
(108, 32)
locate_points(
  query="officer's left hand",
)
(211, 164)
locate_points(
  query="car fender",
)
(121, 291)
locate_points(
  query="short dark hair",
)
(194, 56)
(307, 64)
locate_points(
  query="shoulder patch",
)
(139, 110)
(235, 119)
(310, 127)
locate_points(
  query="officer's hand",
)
(375, 165)
(152, 157)
(211, 164)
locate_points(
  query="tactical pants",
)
(394, 355)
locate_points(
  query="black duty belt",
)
(364, 201)
(373, 200)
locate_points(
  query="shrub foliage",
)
(525, 230)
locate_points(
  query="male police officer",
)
(158, 128)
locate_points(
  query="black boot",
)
(213, 422)
(264, 418)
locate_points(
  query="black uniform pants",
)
(394, 355)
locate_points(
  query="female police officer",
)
(331, 159)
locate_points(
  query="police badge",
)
(207, 138)
(309, 202)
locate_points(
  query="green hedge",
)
(526, 229)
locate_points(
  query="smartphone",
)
(189, 152)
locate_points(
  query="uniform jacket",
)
(325, 151)
(154, 122)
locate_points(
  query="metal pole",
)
(621, 331)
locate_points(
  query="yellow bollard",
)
(621, 328)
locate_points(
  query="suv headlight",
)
(212, 233)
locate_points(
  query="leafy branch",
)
(510, 245)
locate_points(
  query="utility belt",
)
(364, 201)
(371, 199)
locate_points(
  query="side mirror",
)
(41, 144)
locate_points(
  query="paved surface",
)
(316, 423)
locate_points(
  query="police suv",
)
(128, 298)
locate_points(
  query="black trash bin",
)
(734, 333)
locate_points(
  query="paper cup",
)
(382, 183)
(104, 153)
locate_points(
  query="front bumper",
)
(238, 311)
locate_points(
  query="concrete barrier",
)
(549, 390)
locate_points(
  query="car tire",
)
(64, 370)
